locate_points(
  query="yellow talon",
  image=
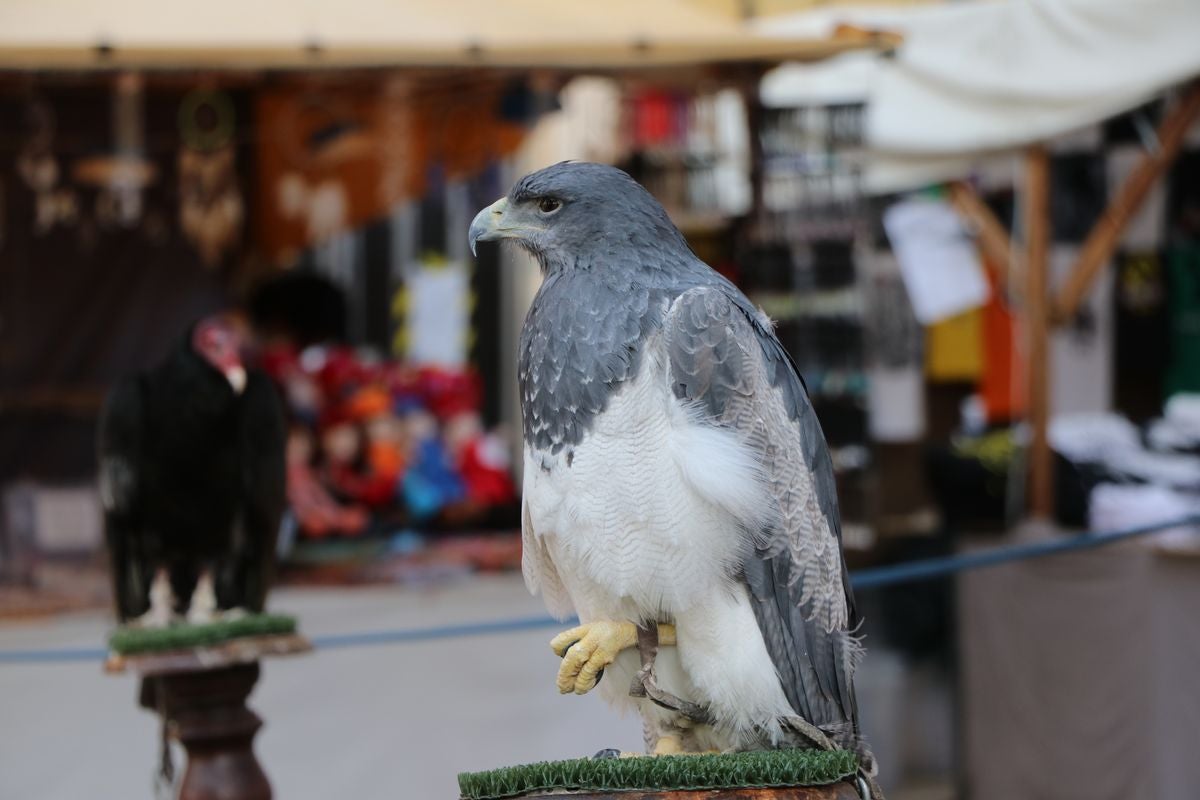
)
(666, 634)
(668, 745)
(587, 649)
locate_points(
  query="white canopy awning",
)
(977, 77)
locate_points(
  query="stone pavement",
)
(393, 721)
(387, 721)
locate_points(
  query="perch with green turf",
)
(131, 640)
(675, 773)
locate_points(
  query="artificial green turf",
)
(719, 771)
(128, 640)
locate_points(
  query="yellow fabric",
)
(954, 348)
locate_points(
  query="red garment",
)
(487, 480)
(654, 122)
(1002, 385)
(447, 393)
(371, 488)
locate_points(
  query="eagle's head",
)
(578, 215)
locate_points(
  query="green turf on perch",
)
(128, 640)
(768, 768)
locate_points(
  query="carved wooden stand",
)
(201, 696)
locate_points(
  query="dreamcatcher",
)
(122, 175)
(38, 168)
(313, 191)
(211, 209)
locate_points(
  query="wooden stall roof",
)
(308, 34)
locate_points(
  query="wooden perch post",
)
(1106, 234)
(200, 693)
(1037, 316)
(835, 791)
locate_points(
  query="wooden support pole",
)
(993, 238)
(206, 711)
(1037, 318)
(1106, 234)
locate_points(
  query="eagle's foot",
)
(162, 603)
(668, 745)
(587, 649)
(203, 606)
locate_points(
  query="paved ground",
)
(369, 722)
(386, 721)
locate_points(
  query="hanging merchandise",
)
(435, 305)
(211, 210)
(1078, 194)
(937, 258)
(1183, 198)
(811, 181)
(798, 255)
(1000, 386)
(1142, 333)
(1145, 230)
(123, 174)
(691, 151)
(377, 444)
(1081, 350)
(1183, 372)
(38, 168)
(320, 160)
(954, 348)
(335, 154)
(895, 396)
(317, 513)
(321, 207)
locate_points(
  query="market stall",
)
(163, 163)
(1044, 231)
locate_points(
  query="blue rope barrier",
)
(878, 577)
(53, 656)
(948, 565)
(440, 632)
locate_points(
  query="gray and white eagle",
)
(675, 477)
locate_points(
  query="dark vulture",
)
(191, 458)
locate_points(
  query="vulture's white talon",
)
(203, 606)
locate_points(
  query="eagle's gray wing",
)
(725, 359)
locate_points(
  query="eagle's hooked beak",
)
(486, 225)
